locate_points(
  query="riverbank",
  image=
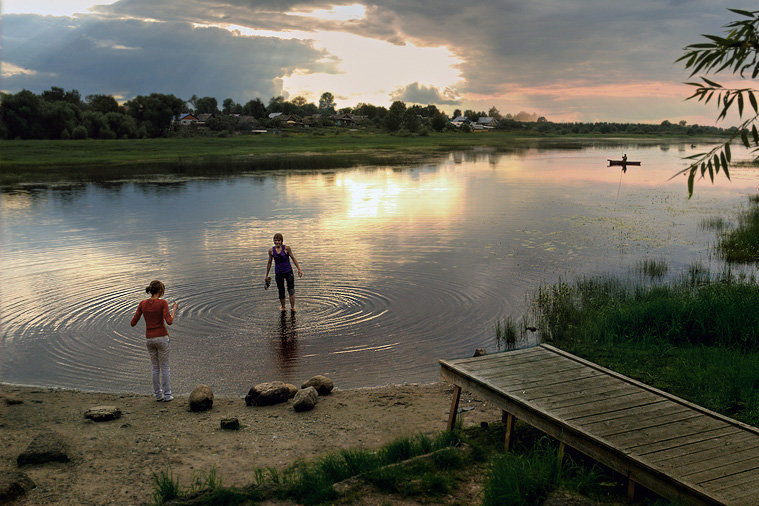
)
(113, 462)
(38, 161)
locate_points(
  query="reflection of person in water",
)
(287, 349)
(283, 271)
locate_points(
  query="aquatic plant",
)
(741, 245)
(506, 333)
(680, 335)
(653, 269)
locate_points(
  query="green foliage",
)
(165, 487)
(506, 333)
(516, 479)
(653, 269)
(736, 53)
(681, 336)
(741, 244)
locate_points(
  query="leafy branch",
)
(738, 53)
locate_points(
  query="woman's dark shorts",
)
(281, 278)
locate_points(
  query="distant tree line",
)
(61, 114)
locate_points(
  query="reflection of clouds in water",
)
(402, 267)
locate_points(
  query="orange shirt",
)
(155, 312)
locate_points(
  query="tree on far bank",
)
(229, 106)
(154, 113)
(56, 94)
(255, 108)
(102, 103)
(737, 53)
(327, 103)
(206, 105)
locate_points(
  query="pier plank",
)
(680, 450)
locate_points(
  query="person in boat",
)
(624, 162)
(283, 271)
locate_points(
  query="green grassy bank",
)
(30, 161)
(696, 337)
(459, 467)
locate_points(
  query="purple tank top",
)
(281, 261)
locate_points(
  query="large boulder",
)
(102, 413)
(292, 390)
(305, 399)
(201, 398)
(14, 484)
(45, 447)
(321, 383)
(266, 394)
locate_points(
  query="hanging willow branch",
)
(738, 53)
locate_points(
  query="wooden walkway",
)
(677, 449)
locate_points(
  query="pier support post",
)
(630, 489)
(508, 421)
(454, 407)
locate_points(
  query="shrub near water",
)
(742, 243)
(696, 338)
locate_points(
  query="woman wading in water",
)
(156, 311)
(283, 271)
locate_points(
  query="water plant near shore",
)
(741, 244)
(697, 336)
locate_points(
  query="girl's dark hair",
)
(278, 236)
(155, 287)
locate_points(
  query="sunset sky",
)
(568, 60)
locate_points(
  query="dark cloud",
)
(130, 57)
(415, 93)
(504, 45)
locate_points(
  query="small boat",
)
(621, 163)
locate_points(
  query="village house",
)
(185, 119)
(459, 120)
(487, 122)
(347, 119)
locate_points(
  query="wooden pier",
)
(675, 448)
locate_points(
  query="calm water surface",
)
(402, 266)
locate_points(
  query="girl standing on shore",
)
(156, 311)
(283, 271)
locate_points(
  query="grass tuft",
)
(654, 269)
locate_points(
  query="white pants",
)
(158, 347)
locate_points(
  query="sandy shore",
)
(113, 462)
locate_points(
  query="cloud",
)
(415, 93)
(130, 57)
(502, 49)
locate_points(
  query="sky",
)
(567, 60)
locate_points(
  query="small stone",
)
(45, 447)
(14, 484)
(12, 400)
(201, 398)
(103, 413)
(321, 383)
(305, 399)
(292, 390)
(479, 352)
(230, 424)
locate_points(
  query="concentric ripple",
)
(402, 267)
